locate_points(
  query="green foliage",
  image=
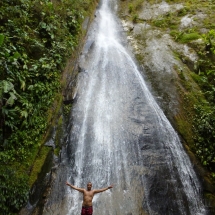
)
(36, 39)
(166, 21)
(205, 113)
(6, 87)
(67, 110)
(1, 39)
(183, 11)
(131, 8)
(13, 190)
(184, 37)
(205, 140)
(160, 23)
(135, 18)
(209, 39)
(206, 67)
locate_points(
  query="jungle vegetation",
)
(36, 39)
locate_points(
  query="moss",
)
(185, 38)
(210, 200)
(55, 108)
(184, 119)
(184, 128)
(38, 164)
(135, 18)
(67, 110)
(58, 137)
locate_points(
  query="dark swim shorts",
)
(87, 210)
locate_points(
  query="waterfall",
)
(119, 135)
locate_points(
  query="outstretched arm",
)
(102, 190)
(75, 188)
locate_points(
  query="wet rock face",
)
(190, 21)
(156, 52)
(158, 64)
(161, 58)
(164, 61)
(151, 11)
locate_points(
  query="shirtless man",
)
(87, 206)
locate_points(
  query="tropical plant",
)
(36, 39)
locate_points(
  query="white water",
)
(120, 136)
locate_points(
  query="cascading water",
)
(120, 136)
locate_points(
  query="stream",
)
(118, 135)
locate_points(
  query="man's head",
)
(89, 186)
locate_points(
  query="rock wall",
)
(167, 66)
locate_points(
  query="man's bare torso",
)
(88, 194)
(88, 198)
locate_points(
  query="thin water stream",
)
(118, 135)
